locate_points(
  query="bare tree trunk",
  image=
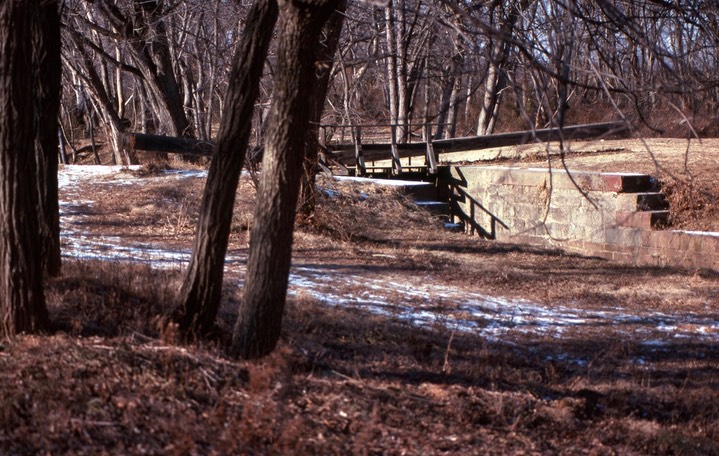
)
(46, 44)
(391, 65)
(118, 86)
(154, 59)
(260, 318)
(447, 110)
(490, 102)
(453, 109)
(498, 58)
(83, 68)
(401, 64)
(325, 59)
(22, 300)
(201, 290)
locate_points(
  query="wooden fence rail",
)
(347, 153)
(357, 152)
(133, 142)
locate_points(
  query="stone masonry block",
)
(641, 202)
(627, 183)
(645, 219)
(624, 236)
(620, 228)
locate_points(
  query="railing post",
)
(396, 164)
(361, 170)
(431, 158)
(322, 138)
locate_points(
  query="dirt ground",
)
(400, 337)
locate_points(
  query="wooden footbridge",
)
(359, 154)
(354, 149)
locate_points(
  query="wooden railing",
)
(357, 152)
(355, 145)
(361, 135)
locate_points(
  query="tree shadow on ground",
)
(610, 375)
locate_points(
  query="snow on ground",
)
(70, 175)
(82, 245)
(388, 182)
(427, 305)
(493, 317)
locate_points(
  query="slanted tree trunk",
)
(327, 48)
(260, 318)
(201, 290)
(499, 54)
(46, 44)
(22, 301)
(152, 56)
(449, 96)
(490, 102)
(84, 69)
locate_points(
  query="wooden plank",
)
(361, 169)
(375, 152)
(167, 144)
(431, 157)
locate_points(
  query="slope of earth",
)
(400, 338)
(686, 169)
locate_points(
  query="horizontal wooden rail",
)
(166, 144)
(381, 125)
(345, 153)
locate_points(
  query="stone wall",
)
(617, 216)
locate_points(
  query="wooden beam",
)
(359, 156)
(167, 144)
(430, 154)
(376, 152)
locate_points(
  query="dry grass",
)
(345, 381)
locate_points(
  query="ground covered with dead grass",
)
(400, 338)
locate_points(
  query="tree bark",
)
(498, 58)
(260, 318)
(152, 55)
(46, 60)
(325, 59)
(22, 301)
(391, 64)
(201, 290)
(84, 68)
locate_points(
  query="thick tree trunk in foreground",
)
(201, 290)
(260, 319)
(22, 302)
(46, 44)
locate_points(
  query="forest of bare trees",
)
(468, 68)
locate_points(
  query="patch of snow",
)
(186, 173)
(331, 193)
(699, 233)
(491, 317)
(453, 226)
(429, 203)
(387, 182)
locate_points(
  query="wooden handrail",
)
(382, 151)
